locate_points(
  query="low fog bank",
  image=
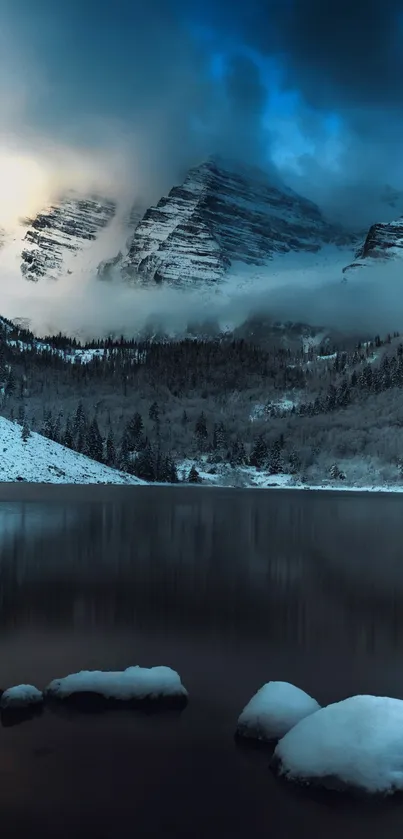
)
(368, 301)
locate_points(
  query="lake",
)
(231, 588)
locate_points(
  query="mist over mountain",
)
(289, 88)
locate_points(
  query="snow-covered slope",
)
(224, 215)
(383, 241)
(60, 231)
(72, 236)
(221, 214)
(42, 461)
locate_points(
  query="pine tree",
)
(57, 429)
(237, 453)
(144, 465)
(184, 419)
(80, 427)
(110, 449)
(94, 443)
(201, 431)
(11, 383)
(47, 425)
(259, 453)
(21, 414)
(220, 437)
(172, 471)
(25, 431)
(275, 462)
(68, 437)
(154, 412)
(123, 459)
(294, 463)
(134, 430)
(331, 398)
(193, 476)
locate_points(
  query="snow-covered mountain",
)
(73, 235)
(222, 216)
(223, 213)
(384, 241)
(40, 460)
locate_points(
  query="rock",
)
(134, 687)
(57, 234)
(274, 710)
(20, 696)
(220, 214)
(383, 242)
(354, 745)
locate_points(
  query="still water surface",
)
(232, 589)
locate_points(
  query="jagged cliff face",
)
(219, 216)
(57, 234)
(222, 214)
(384, 241)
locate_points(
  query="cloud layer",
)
(141, 91)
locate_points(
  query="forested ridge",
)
(145, 406)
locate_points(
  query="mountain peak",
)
(384, 241)
(223, 212)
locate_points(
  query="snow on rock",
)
(222, 213)
(355, 745)
(274, 710)
(41, 460)
(20, 696)
(384, 241)
(135, 684)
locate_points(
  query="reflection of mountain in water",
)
(313, 569)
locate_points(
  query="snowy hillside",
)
(41, 460)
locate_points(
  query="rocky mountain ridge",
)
(63, 228)
(384, 241)
(219, 215)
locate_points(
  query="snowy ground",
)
(245, 477)
(40, 460)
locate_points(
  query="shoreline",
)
(13, 491)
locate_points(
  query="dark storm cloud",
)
(135, 79)
(342, 57)
(349, 50)
(239, 132)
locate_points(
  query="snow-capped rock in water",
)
(20, 696)
(274, 710)
(354, 745)
(41, 460)
(135, 684)
(220, 214)
(384, 241)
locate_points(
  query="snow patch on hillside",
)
(40, 460)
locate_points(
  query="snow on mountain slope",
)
(223, 213)
(73, 236)
(384, 241)
(60, 231)
(40, 460)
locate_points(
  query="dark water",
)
(232, 589)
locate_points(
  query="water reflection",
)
(303, 567)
